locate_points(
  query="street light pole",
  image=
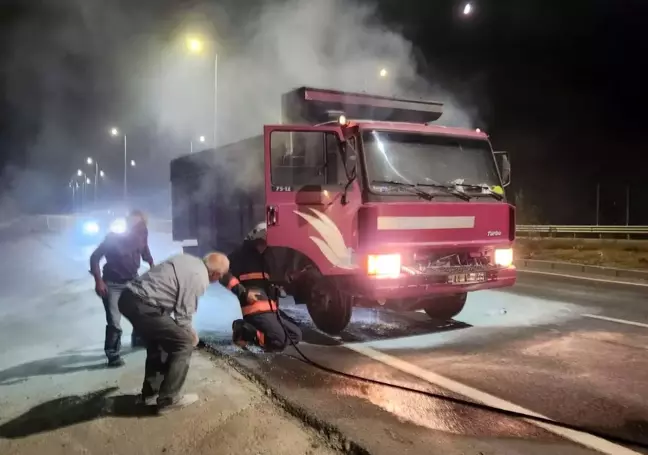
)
(215, 99)
(196, 45)
(125, 169)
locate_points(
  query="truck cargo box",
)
(218, 194)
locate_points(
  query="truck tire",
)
(445, 307)
(329, 309)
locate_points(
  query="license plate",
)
(467, 278)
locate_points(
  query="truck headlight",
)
(504, 257)
(384, 265)
(118, 226)
(90, 227)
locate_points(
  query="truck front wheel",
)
(329, 309)
(445, 307)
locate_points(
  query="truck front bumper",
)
(426, 285)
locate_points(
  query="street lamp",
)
(467, 9)
(200, 139)
(102, 174)
(132, 163)
(383, 72)
(196, 46)
(115, 132)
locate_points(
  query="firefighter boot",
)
(244, 333)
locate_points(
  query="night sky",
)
(560, 85)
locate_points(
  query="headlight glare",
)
(118, 226)
(90, 227)
(384, 265)
(504, 257)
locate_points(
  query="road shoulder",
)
(90, 409)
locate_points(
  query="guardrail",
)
(60, 222)
(582, 231)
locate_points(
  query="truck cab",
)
(368, 203)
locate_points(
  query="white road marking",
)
(620, 321)
(586, 278)
(584, 439)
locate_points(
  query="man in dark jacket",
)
(263, 324)
(123, 253)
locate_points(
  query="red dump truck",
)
(368, 203)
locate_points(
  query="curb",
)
(333, 435)
(610, 272)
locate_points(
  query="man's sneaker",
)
(151, 400)
(116, 363)
(238, 333)
(181, 402)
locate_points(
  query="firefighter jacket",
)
(252, 268)
(252, 300)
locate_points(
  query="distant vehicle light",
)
(384, 265)
(118, 226)
(504, 257)
(90, 227)
(342, 120)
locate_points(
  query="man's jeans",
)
(168, 348)
(112, 344)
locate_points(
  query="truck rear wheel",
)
(445, 307)
(329, 309)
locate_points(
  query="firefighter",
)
(263, 324)
(122, 253)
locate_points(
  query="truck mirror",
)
(504, 165)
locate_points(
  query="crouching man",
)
(263, 324)
(148, 302)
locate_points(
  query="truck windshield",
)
(421, 159)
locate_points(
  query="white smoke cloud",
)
(336, 44)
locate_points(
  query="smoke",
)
(77, 67)
(337, 44)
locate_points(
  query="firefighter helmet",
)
(258, 233)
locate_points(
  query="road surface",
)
(572, 350)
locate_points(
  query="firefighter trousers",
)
(271, 335)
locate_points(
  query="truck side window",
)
(302, 158)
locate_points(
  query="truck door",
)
(311, 206)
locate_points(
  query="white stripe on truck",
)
(389, 223)
(189, 243)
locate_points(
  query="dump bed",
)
(217, 195)
(313, 106)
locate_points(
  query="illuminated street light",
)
(102, 174)
(201, 138)
(195, 45)
(115, 132)
(89, 161)
(79, 173)
(132, 163)
(383, 72)
(467, 9)
(88, 181)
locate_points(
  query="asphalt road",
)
(539, 347)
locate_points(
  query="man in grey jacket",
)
(148, 302)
